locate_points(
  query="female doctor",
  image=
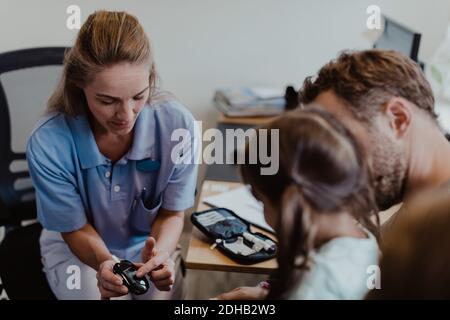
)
(102, 165)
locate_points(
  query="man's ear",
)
(399, 114)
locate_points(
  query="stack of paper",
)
(241, 202)
(254, 101)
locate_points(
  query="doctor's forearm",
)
(88, 246)
(167, 229)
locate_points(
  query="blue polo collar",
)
(87, 149)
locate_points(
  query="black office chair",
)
(20, 260)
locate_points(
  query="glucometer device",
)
(127, 271)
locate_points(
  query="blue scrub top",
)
(75, 183)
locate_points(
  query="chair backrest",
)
(27, 79)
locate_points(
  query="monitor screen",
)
(399, 38)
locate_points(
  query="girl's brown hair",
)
(322, 170)
(105, 38)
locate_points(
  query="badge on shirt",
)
(148, 165)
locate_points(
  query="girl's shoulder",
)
(348, 247)
(339, 269)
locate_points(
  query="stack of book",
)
(250, 101)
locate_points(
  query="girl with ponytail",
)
(322, 208)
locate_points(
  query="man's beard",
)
(389, 170)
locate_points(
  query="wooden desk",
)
(200, 256)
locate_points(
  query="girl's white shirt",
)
(341, 269)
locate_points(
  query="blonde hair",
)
(105, 38)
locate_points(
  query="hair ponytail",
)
(322, 170)
(296, 235)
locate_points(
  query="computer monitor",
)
(399, 38)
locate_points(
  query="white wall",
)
(204, 44)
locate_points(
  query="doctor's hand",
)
(109, 284)
(158, 265)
